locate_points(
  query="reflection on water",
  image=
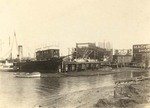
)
(132, 74)
(15, 92)
(29, 92)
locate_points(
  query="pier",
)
(80, 66)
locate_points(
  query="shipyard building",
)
(122, 57)
(90, 51)
(141, 55)
(87, 56)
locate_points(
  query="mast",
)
(1, 47)
(11, 50)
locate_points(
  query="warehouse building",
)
(122, 57)
(141, 55)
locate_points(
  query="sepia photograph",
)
(74, 53)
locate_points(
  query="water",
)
(31, 92)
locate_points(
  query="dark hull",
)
(48, 66)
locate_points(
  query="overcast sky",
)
(65, 22)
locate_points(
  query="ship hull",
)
(47, 66)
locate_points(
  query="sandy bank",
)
(128, 95)
(80, 99)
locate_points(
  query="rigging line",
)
(14, 39)
(28, 49)
(9, 40)
(6, 53)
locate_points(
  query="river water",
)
(31, 92)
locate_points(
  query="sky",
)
(66, 22)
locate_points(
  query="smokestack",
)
(20, 52)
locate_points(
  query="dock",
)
(80, 66)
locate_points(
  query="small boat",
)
(28, 75)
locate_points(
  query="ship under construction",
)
(87, 56)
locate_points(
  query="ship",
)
(46, 61)
(6, 66)
(7, 63)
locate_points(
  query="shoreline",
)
(93, 72)
(104, 97)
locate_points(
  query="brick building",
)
(141, 55)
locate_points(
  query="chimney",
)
(20, 52)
